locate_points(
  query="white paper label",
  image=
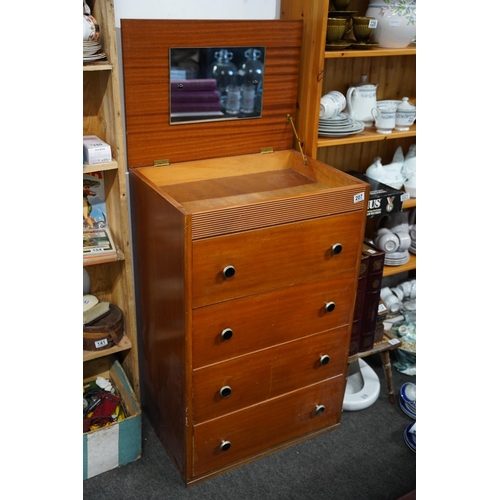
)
(381, 308)
(372, 23)
(359, 197)
(393, 341)
(394, 22)
(405, 196)
(101, 343)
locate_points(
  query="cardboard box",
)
(95, 150)
(384, 199)
(120, 443)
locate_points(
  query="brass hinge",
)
(266, 150)
(161, 163)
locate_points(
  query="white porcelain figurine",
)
(390, 174)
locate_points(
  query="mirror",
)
(217, 83)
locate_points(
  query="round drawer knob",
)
(225, 391)
(229, 272)
(319, 409)
(329, 307)
(336, 249)
(226, 334)
(324, 359)
(225, 445)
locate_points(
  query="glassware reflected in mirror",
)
(216, 83)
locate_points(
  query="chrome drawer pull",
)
(336, 249)
(320, 409)
(229, 271)
(225, 391)
(329, 307)
(226, 334)
(324, 359)
(225, 445)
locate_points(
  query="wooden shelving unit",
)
(394, 70)
(111, 277)
(322, 71)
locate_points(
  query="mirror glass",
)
(216, 83)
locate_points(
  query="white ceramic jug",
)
(361, 99)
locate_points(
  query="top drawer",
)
(241, 264)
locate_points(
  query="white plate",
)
(323, 134)
(338, 118)
(95, 57)
(396, 263)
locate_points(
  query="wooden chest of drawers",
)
(246, 334)
(246, 271)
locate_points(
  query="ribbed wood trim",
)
(259, 215)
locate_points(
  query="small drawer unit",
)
(247, 257)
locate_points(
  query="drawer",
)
(247, 380)
(274, 257)
(238, 327)
(272, 423)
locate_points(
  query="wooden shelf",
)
(409, 203)
(111, 276)
(409, 266)
(368, 135)
(124, 345)
(106, 259)
(348, 53)
(98, 66)
(110, 165)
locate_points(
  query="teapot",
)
(361, 99)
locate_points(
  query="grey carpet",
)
(365, 459)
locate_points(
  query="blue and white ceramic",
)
(408, 393)
(410, 438)
(409, 410)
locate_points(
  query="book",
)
(372, 297)
(97, 238)
(94, 201)
(98, 243)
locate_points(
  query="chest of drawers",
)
(246, 271)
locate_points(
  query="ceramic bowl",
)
(408, 394)
(361, 29)
(340, 4)
(361, 33)
(334, 32)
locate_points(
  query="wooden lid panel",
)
(145, 52)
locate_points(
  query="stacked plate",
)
(92, 51)
(408, 399)
(413, 236)
(410, 436)
(341, 125)
(396, 258)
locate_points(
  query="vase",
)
(396, 22)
